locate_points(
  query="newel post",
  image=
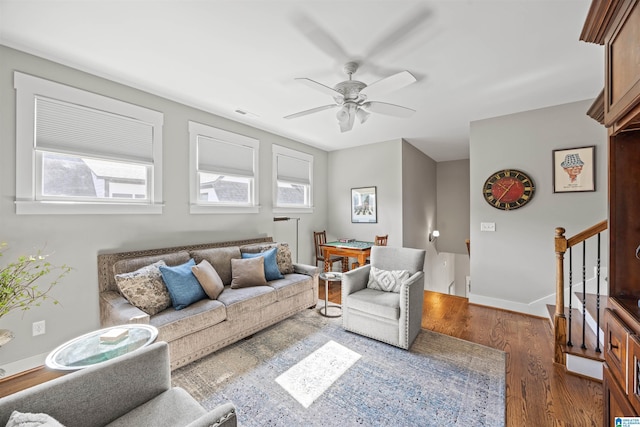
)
(559, 319)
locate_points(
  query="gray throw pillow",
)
(247, 272)
(387, 280)
(209, 278)
(145, 289)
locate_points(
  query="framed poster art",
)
(364, 205)
(574, 170)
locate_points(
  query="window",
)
(79, 152)
(292, 179)
(224, 171)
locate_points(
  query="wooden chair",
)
(319, 238)
(379, 241)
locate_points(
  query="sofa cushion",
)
(220, 259)
(247, 272)
(173, 324)
(291, 284)
(209, 278)
(174, 407)
(387, 280)
(132, 264)
(383, 304)
(20, 419)
(271, 270)
(244, 302)
(144, 288)
(183, 286)
(283, 254)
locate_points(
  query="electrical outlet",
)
(38, 328)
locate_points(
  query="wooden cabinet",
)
(622, 66)
(615, 352)
(615, 24)
(615, 402)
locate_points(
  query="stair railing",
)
(562, 328)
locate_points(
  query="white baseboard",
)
(536, 309)
(23, 364)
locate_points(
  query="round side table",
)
(329, 277)
(100, 346)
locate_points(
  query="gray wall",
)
(406, 192)
(514, 267)
(76, 239)
(453, 206)
(376, 165)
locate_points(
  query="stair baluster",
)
(584, 295)
(569, 343)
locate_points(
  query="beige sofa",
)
(208, 325)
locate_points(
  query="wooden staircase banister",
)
(585, 234)
(559, 318)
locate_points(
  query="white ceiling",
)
(473, 59)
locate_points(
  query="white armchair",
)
(391, 316)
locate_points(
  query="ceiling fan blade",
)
(389, 84)
(400, 32)
(320, 37)
(311, 111)
(319, 86)
(388, 109)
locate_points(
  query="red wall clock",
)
(508, 189)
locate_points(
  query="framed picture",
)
(364, 205)
(574, 170)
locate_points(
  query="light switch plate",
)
(487, 226)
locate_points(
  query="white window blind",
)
(294, 170)
(74, 129)
(292, 180)
(223, 171)
(224, 157)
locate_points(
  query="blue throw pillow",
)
(271, 270)
(184, 288)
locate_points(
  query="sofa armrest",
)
(116, 310)
(309, 270)
(221, 416)
(355, 280)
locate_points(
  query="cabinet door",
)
(615, 400)
(634, 372)
(622, 56)
(615, 353)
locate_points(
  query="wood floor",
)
(539, 393)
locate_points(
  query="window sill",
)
(292, 210)
(203, 209)
(83, 208)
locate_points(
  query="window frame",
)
(195, 205)
(277, 151)
(28, 88)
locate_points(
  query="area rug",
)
(308, 371)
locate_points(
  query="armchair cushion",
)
(387, 280)
(19, 419)
(383, 304)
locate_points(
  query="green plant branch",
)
(18, 288)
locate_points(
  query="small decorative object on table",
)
(112, 336)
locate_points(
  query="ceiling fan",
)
(352, 97)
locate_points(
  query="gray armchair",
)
(387, 316)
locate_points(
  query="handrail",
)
(585, 234)
(561, 246)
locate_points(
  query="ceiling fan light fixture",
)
(362, 115)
